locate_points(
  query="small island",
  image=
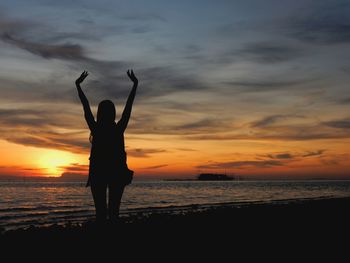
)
(205, 177)
(214, 177)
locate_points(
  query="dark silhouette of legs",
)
(99, 194)
(114, 198)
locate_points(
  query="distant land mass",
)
(214, 177)
(207, 177)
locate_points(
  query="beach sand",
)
(293, 224)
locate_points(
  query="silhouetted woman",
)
(108, 168)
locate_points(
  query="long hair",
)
(105, 115)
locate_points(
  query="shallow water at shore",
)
(40, 203)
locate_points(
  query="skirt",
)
(109, 173)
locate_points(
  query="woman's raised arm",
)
(128, 106)
(89, 117)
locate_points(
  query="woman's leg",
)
(115, 194)
(99, 195)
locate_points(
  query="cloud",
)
(73, 145)
(153, 123)
(321, 30)
(31, 34)
(65, 51)
(9, 26)
(267, 161)
(74, 167)
(106, 74)
(281, 156)
(19, 170)
(340, 124)
(42, 117)
(313, 153)
(187, 150)
(266, 121)
(198, 124)
(265, 52)
(73, 53)
(169, 80)
(344, 101)
(27, 36)
(331, 161)
(74, 171)
(266, 86)
(144, 153)
(262, 52)
(280, 133)
(241, 164)
(321, 23)
(293, 156)
(155, 166)
(39, 118)
(203, 126)
(44, 128)
(143, 17)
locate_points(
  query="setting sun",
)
(54, 162)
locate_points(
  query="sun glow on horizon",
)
(54, 161)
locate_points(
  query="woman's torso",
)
(107, 155)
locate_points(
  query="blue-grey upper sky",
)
(209, 71)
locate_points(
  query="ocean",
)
(43, 203)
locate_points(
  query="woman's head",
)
(106, 112)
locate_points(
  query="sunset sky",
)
(253, 88)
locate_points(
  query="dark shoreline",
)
(287, 217)
(133, 214)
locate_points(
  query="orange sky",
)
(243, 158)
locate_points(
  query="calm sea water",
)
(37, 203)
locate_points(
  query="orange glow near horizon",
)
(184, 159)
(54, 161)
(32, 161)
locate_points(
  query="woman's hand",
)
(81, 78)
(132, 77)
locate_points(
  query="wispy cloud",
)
(280, 133)
(248, 85)
(269, 120)
(281, 156)
(19, 170)
(74, 171)
(319, 22)
(314, 153)
(74, 167)
(241, 164)
(265, 52)
(143, 17)
(156, 166)
(38, 128)
(203, 126)
(321, 30)
(296, 155)
(144, 153)
(340, 124)
(65, 51)
(344, 101)
(265, 161)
